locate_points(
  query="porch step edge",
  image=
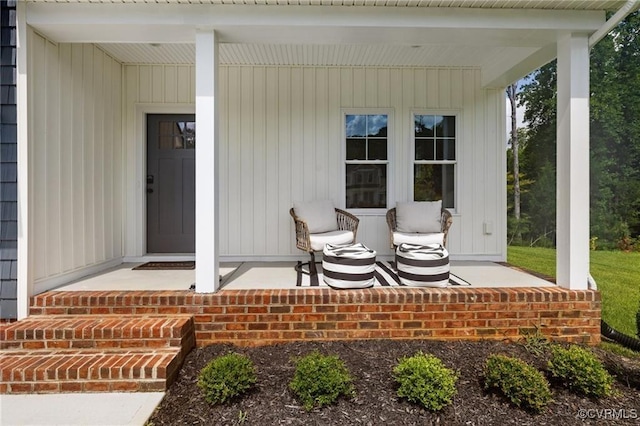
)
(46, 371)
(105, 331)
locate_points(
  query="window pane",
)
(189, 133)
(377, 149)
(424, 125)
(166, 142)
(377, 125)
(446, 127)
(434, 182)
(449, 149)
(356, 126)
(448, 186)
(425, 149)
(167, 128)
(366, 186)
(445, 149)
(356, 149)
(177, 134)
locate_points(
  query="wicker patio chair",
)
(310, 243)
(445, 220)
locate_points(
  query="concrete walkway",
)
(85, 409)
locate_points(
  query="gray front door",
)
(171, 176)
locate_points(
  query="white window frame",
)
(389, 112)
(456, 162)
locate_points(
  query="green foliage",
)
(521, 383)
(614, 144)
(320, 380)
(535, 342)
(580, 370)
(540, 204)
(617, 274)
(517, 228)
(242, 417)
(618, 349)
(425, 380)
(226, 377)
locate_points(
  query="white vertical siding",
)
(280, 135)
(66, 155)
(74, 136)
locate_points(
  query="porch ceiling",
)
(319, 55)
(496, 36)
(484, 4)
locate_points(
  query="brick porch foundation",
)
(259, 317)
(137, 340)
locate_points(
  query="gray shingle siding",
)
(8, 162)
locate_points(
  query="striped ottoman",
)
(348, 266)
(423, 266)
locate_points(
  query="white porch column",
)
(25, 260)
(207, 215)
(573, 162)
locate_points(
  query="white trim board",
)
(135, 236)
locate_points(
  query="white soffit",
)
(492, 35)
(316, 55)
(483, 4)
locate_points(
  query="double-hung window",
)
(367, 160)
(434, 158)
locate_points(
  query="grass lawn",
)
(616, 273)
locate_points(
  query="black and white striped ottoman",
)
(348, 266)
(423, 266)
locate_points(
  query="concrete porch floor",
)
(278, 275)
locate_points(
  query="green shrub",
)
(580, 371)
(226, 377)
(521, 383)
(535, 342)
(320, 379)
(424, 379)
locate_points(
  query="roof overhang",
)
(505, 43)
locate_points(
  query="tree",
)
(538, 155)
(614, 142)
(516, 227)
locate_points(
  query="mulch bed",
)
(370, 363)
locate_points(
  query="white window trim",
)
(391, 137)
(412, 149)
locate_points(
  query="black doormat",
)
(159, 266)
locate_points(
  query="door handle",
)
(149, 190)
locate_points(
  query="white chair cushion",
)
(319, 215)
(318, 241)
(421, 216)
(418, 239)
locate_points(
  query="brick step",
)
(104, 331)
(89, 370)
(112, 302)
